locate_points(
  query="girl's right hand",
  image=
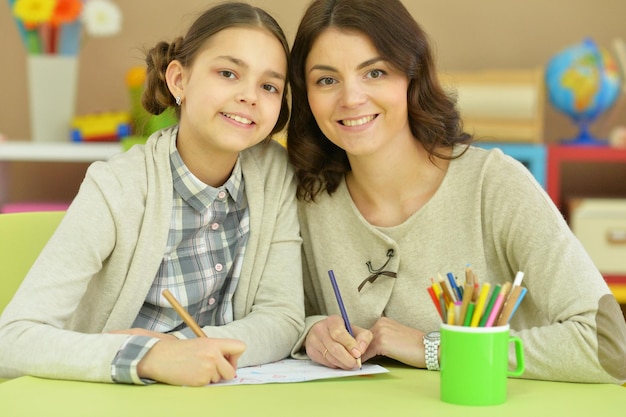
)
(329, 343)
(191, 362)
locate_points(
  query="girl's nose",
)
(247, 94)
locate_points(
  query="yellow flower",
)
(34, 12)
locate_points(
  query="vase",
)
(52, 85)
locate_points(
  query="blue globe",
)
(583, 82)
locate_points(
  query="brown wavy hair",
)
(157, 97)
(433, 117)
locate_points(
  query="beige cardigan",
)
(488, 212)
(96, 270)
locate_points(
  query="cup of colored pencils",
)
(474, 304)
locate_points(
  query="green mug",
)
(475, 364)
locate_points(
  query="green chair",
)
(22, 237)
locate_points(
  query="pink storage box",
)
(34, 206)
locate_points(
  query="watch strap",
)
(431, 346)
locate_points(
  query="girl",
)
(392, 194)
(206, 209)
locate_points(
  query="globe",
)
(583, 82)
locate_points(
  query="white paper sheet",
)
(294, 370)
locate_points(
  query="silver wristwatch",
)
(431, 345)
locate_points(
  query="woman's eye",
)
(376, 73)
(325, 81)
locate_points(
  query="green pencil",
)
(492, 301)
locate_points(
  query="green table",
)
(401, 392)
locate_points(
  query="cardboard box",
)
(600, 225)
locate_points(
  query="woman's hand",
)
(396, 341)
(191, 362)
(329, 343)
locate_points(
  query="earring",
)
(178, 100)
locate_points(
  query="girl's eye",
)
(375, 73)
(325, 81)
(227, 74)
(270, 88)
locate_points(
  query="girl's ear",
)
(174, 78)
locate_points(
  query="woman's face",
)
(357, 98)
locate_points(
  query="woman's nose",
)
(353, 94)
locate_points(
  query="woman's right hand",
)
(329, 343)
(191, 362)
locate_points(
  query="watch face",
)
(433, 336)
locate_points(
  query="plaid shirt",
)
(201, 265)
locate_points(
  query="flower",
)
(33, 12)
(102, 18)
(65, 11)
(55, 26)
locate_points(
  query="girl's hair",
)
(433, 118)
(157, 97)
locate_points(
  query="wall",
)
(467, 35)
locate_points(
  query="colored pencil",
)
(467, 297)
(342, 308)
(470, 312)
(480, 304)
(497, 307)
(492, 300)
(507, 310)
(446, 290)
(455, 288)
(189, 321)
(433, 296)
(451, 314)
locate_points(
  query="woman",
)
(206, 209)
(392, 194)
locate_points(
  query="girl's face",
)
(232, 92)
(358, 99)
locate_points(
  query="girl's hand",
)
(191, 362)
(396, 341)
(144, 332)
(329, 343)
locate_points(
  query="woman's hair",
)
(433, 118)
(157, 97)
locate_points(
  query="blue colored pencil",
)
(342, 309)
(455, 287)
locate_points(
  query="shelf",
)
(532, 155)
(617, 284)
(559, 156)
(47, 171)
(58, 151)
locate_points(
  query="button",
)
(211, 301)
(215, 226)
(219, 267)
(221, 195)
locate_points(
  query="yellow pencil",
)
(480, 304)
(189, 321)
(451, 314)
(436, 288)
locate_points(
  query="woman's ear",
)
(174, 78)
